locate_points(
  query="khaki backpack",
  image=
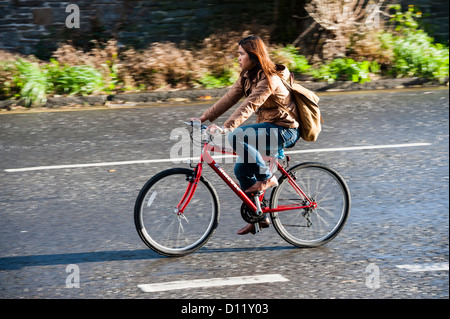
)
(308, 110)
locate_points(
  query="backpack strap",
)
(284, 108)
(291, 90)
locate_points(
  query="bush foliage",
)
(403, 51)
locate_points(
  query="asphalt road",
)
(68, 232)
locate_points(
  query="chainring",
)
(251, 217)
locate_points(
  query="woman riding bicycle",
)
(275, 128)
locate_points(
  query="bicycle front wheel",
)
(311, 227)
(156, 216)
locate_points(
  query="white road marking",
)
(358, 148)
(41, 168)
(213, 282)
(425, 267)
(185, 159)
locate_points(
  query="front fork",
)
(190, 190)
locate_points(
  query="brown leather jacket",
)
(260, 100)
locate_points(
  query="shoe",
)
(250, 228)
(260, 186)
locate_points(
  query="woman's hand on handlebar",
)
(214, 129)
(200, 119)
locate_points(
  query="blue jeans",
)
(249, 140)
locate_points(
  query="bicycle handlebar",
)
(203, 137)
(207, 137)
(203, 127)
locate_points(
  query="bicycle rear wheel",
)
(311, 227)
(157, 220)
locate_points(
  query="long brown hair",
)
(258, 54)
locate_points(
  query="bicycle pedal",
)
(257, 228)
(251, 195)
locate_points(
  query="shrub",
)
(32, 83)
(8, 73)
(160, 65)
(79, 79)
(346, 69)
(104, 58)
(414, 53)
(30, 80)
(404, 50)
(289, 57)
(211, 81)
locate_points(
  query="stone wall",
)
(28, 26)
(33, 26)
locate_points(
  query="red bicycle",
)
(177, 210)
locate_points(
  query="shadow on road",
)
(17, 262)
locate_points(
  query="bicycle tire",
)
(314, 179)
(158, 224)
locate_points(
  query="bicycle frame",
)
(206, 157)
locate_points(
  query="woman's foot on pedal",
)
(250, 228)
